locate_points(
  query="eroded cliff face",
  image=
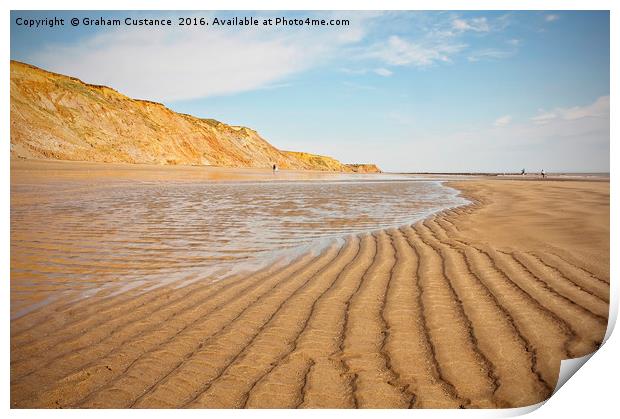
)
(364, 168)
(59, 117)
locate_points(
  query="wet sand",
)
(472, 307)
(84, 228)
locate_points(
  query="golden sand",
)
(473, 307)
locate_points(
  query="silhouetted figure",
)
(275, 169)
(522, 172)
(542, 173)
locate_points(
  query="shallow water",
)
(82, 236)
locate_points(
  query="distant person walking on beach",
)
(275, 169)
(542, 173)
(522, 172)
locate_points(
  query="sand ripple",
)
(433, 314)
(84, 237)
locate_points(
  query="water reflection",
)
(81, 237)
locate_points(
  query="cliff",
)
(364, 168)
(59, 117)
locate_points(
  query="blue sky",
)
(410, 91)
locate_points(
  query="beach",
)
(470, 307)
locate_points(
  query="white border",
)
(592, 392)
(310, 5)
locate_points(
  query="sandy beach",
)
(472, 307)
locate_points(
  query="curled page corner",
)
(517, 411)
(613, 316)
(568, 368)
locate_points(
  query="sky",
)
(444, 91)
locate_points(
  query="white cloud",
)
(490, 54)
(177, 63)
(544, 117)
(503, 121)
(180, 63)
(578, 144)
(478, 24)
(384, 72)
(598, 109)
(440, 43)
(400, 52)
(551, 18)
